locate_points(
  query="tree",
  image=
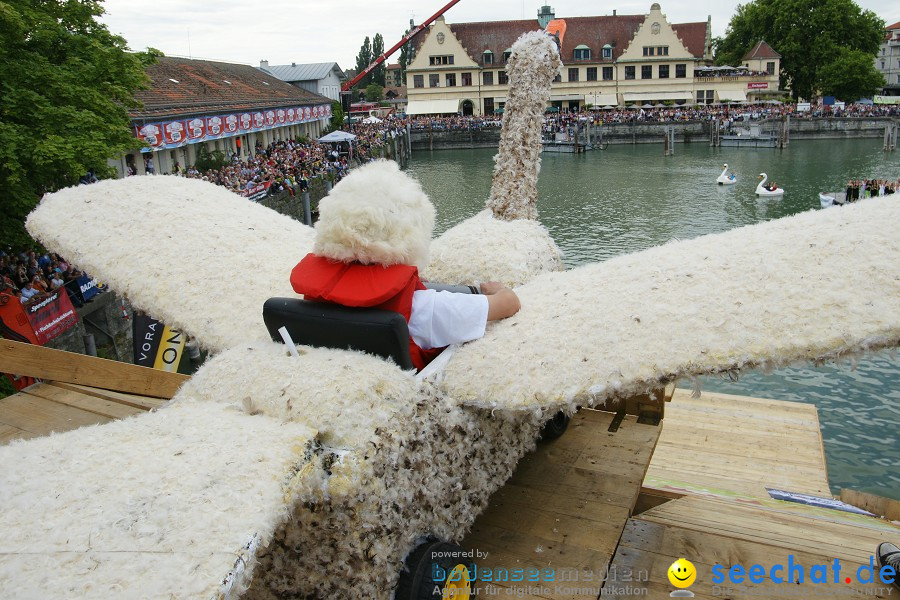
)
(850, 76)
(67, 84)
(374, 92)
(337, 115)
(363, 59)
(379, 72)
(809, 35)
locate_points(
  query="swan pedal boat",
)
(725, 178)
(761, 189)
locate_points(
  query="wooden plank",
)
(133, 400)
(793, 527)
(879, 505)
(46, 363)
(41, 417)
(654, 547)
(9, 433)
(736, 401)
(105, 408)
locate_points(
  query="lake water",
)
(628, 198)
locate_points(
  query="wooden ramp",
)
(52, 406)
(565, 506)
(726, 446)
(77, 390)
(716, 455)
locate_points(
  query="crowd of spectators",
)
(658, 114)
(31, 276)
(869, 188)
(286, 164)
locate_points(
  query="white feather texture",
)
(484, 248)
(532, 65)
(192, 254)
(376, 215)
(158, 506)
(816, 285)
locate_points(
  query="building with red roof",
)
(614, 60)
(227, 107)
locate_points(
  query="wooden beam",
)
(45, 363)
(879, 505)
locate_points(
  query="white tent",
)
(372, 119)
(338, 136)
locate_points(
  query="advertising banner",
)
(50, 315)
(156, 345)
(257, 192)
(14, 323)
(87, 287)
(174, 134)
(758, 85)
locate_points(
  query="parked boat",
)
(726, 178)
(762, 190)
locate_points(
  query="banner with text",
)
(51, 315)
(156, 345)
(174, 134)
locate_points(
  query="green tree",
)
(363, 59)
(66, 84)
(850, 76)
(337, 115)
(207, 159)
(379, 72)
(809, 35)
(374, 92)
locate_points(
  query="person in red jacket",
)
(373, 234)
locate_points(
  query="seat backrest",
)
(380, 332)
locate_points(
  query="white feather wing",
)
(192, 254)
(812, 286)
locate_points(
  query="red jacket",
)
(354, 284)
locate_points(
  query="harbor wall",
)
(654, 133)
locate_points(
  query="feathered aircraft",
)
(274, 476)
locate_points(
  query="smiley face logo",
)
(682, 573)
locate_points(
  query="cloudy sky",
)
(310, 31)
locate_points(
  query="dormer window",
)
(582, 52)
(607, 52)
(506, 54)
(488, 57)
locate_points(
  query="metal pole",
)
(307, 213)
(90, 345)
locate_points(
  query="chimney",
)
(614, 12)
(263, 64)
(293, 64)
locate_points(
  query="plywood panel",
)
(99, 406)
(38, 416)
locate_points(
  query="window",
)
(558, 78)
(770, 67)
(582, 53)
(502, 79)
(607, 52)
(487, 78)
(488, 57)
(488, 106)
(629, 72)
(680, 71)
(450, 80)
(467, 79)
(662, 50)
(649, 51)
(506, 54)
(663, 71)
(440, 60)
(710, 96)
(647, 72)
(608, 74)
(434, 80)
(592, 73)
(418, 81)
(573, 74)
(700, 96)
(882, 65)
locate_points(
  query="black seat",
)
(380, 332)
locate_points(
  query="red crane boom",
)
(385, 55)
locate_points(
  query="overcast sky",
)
(311, 31)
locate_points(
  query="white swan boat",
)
(725, 178)
(762, 190)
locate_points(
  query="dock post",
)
(890, 136)
(671, 140)
(307, 213)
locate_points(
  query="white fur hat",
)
(377, 214)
